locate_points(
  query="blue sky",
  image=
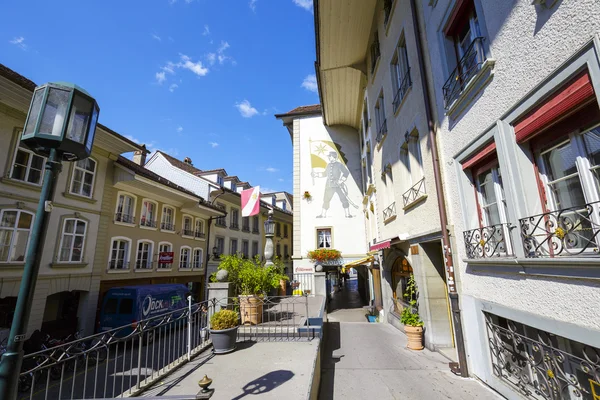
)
(195, 78)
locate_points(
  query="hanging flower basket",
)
(322, 255)
(307, 195)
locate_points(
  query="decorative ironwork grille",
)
(147, 222)
(539, 364)
(167, 226)
(389, 212)
(126, 218)
(489, 241)
(414, 193)
(466, 69)
(375, 53)
(405, 84)
(567, 232)
(199, 235)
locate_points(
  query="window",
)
(233, 187)
(198, 258)
(369, 162)
(119, 254)
(149, 210)
(365, 118)
(125, 209)
(220, 244)
(401, 271)
(375, 52)
(254, 248)
(220, 180)
(255, 226)
(27, 167)
(387, 10)
(233, 246)
(491, 197)
(168, 219)
(187, 226)
(245, 248)
(82, 181)
(234, 222)
(165, 255)
(278, 229)
(72, 240)
(15, 226)
(185, 257)
(324, 238)
(380, 118)
(199, 228)
(246, 224)
(221, 220)
(278, 250)
(285, 230)
(400, 73)
(286, 253)
(144, 255)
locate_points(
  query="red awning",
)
(381, 245)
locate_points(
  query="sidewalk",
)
(371, 361)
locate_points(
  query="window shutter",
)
(483, 156)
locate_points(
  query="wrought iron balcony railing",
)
(199, 235)
(167, 226)
(488, 242)
(414, 193)
(467, 68)
(165, 265)
(187, 232)
(387, 10)
(125, 218)
(148, 223)
(118, 264)
(185, 265)
(149, 265)
(568, 232)
(245, 228)
(405, 84)
(234, 225)
(221, 222)
(255, 230)
(375, 53)
(389, 212)
(382, 131)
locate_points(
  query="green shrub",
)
(408, 317)
(251, 276)
(224, 319)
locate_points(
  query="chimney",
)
(188, 161)
(139, 157)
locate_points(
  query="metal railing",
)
(125, 218)
(148, 265)
(375, 53)
(199, 235)
(467, 68)
(148, 223)
(167, 226)
(234, 225)
(489, 241)
(165, 265)
(221, 222)
(389, 212)
(245, 228)
(414, 193)
(405, 84)
(567, 232)
(187, 232)
(382, 131)
(118, 264)
(117, 362)
(304, 282)
(255, 230)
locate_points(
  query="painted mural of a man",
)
(336, 174)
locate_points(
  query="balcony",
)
(185, 265)
(389, 214)
(187, 232)
(488, 242)
(124, 218)
(467, 68)
(568, 232)
(382, 131)
(199, 235)
(148, 223)
(405, 84)
(255, 230)
(167, 226)
(375, 53)
(415, 194)
(118, 264)
(144, 265)
(245, 228)
(234, 225)
(221, 222)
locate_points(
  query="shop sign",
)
(166, 257)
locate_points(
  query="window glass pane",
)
(20, 245)
(80, 227)
(560, 163)
(5, 239)
(65, 251)
(55, 112)
(9, 219)
(25, 220)
(35, 111)
(79, 119)
(111, 306)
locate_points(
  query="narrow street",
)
(363, 360)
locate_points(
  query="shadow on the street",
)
(266, 383)
(332, 342)
(171, 384)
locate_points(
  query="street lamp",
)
(61, 125)
(269, 233)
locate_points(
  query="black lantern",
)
(270, 224)
(61, 116)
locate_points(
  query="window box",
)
(414, 195)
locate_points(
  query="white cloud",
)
(310, 83)
(196, 67)
(160, 77)
(221, 53)
(172, 87)
(306, 4)
(206, 31)
(19, 41)
(252, 5)
(170, 67)
(211, 57)
(180, 129)
(246, 109)
(271, 169)
(213, 144)
(281, 179)
(156, 37)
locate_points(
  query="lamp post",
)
(269, 233)
(61, 125)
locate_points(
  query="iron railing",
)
(234, 225)
(405, 84)
(389, 212)
(187, 232)
(199, 235)
(255, 230)
(414, 193)
(387, 10)
(117, 362)
(382, 131)
(375, 53)
(489, 241)
(118, 264)
(539, 364)
(467, 68)
(165, 265)
(125, 218)
(167, 226)
(245, 228)
(221, 222)
(305, 282)
(562, 233)
(148, 265)
(148, 223)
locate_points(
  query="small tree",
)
(251, 276)
(409, 316)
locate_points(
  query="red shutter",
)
(567, 100)
(482, 156)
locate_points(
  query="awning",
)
(362, 261)
(381, 245)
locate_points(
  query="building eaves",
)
(302, 110)
(211, 171)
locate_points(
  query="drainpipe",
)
(461, 368)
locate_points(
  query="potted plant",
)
(324, 255)
(223, 331)
(413, 325)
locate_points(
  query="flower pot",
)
(224, 340)
(251, 309)
(415, 337)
